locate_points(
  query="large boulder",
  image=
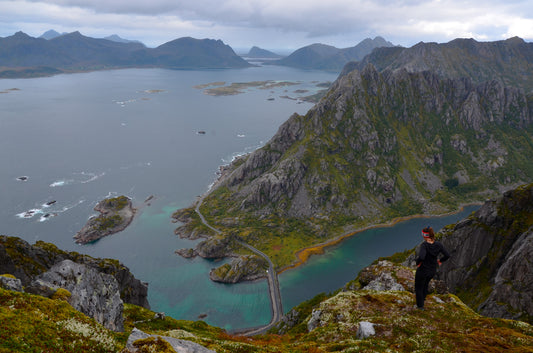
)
(26, 262)
(11, 283)
(93, 293)
(139, 338)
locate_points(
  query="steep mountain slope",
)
(378, 146)
(326, 57)
(491, 268)
(510, 60)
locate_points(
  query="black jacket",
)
(428, 256)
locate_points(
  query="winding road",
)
(272, 277)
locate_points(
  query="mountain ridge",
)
(21, 54)
(510, 60)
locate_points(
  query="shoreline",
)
(303, 255)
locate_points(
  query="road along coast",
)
(272, 277)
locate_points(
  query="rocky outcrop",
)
(211, 248)
(138, 340)
(93, 293)
(26, 262)
(242, 268)
(115, 215)
(491, 252)
(11, 283)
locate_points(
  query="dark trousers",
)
(421, 286)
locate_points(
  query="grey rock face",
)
(492, 249)
(26, 262)
(93, 293)
(314, 321)
(180, 346)
(11, 283)
(513, 283)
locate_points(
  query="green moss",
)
(38, 324)
(116, 203)
(8, 275)
(61, 294)
(151, 345)
(103, 222)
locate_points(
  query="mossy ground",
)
(32, 323)
(36, 324)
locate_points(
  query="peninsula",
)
(115, 215)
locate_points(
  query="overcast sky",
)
(274, 24)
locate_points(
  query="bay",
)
(80, 138)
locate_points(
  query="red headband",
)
(425, 234)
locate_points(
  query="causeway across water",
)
(272, 277)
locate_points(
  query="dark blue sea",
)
(80, 138)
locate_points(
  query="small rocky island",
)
(115, 215)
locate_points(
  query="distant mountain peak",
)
(326, 57)
(116, 38)
(21, 34)
(257, 52)
(50, 34)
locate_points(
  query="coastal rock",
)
(26, 262)
(179, 345)
(185, 231)
(93, 293)
(115, 215)
(187, 253)
(243, 268)
(215, 248)
(491, 256)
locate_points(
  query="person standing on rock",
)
(427, 262)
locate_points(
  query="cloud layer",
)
(274, 23)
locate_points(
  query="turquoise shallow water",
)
(83, 137)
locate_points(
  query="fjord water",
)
(80, 138)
